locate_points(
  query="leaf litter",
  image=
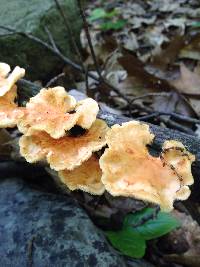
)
(149, 50)
(146, 56)
(154, 60)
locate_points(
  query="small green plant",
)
(196, 24)
(131, 241)
(107, 20)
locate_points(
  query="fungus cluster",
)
(129, 170)
(9, 111)
(49, 123)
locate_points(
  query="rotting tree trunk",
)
(162, 134)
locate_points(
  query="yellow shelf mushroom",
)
(66, 152)
(129, 170)
(125, 169)
(86, 177)
(51, 111)
(9, 111)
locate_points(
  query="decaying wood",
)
(162, 134)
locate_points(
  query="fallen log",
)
(162, 134)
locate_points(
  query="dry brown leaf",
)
(189, 82)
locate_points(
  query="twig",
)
(51, 39)
(148, 117)
(181, 117)
(140, 106)
(98, 70)
(149, 95)
(73, 41)
(86, 80)
(65, 60)
(171, 123)
(30, 251)
(172, 114)
(54, 79)
(148, 217)
(86, 28)
(49, 47)
(175, 125)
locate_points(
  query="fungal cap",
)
(86, 177)
(49, 111)
(129, 170)
(87, 111)
(7, 81)
(177, 155)
(9, 112)
(67, 152)
(4, 70)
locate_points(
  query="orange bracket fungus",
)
(54, 111)
(125, 169)
(87, 111)
(66, 152)
(7, 81)
(9, 112)
(86, 177)
(129, 170)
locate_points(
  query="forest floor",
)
(146, 55)
(150, 52)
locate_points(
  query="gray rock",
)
(32, 16)
(41, 229)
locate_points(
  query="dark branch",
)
(54, 79)
(65, 59)
(69, 30)
(86, 28)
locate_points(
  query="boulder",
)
(32, 17)
(45, 229)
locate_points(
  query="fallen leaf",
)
(188, 82)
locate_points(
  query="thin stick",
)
(172, 114)
(51, 39)
(148, 217)
(148, 117)
(181, 117)
(86, 28)
(54, 79)
(69, 30)
(149, 95)
(65, 59)
(177, 126)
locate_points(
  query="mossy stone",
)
(32, 17)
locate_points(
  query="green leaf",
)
(161, 225)
(100, 13)
(97, 13)
(196, 24)
(110, 25)
(128, 242)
